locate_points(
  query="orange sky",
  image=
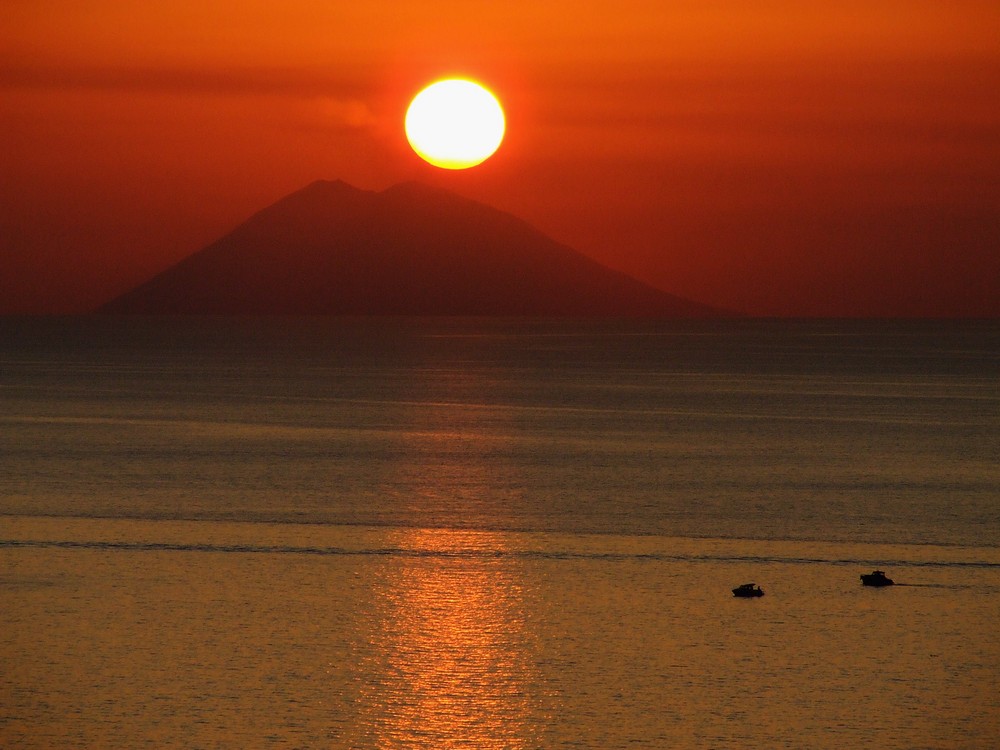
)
(778, 157)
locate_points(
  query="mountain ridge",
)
(331, 248)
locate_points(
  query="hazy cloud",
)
(213, 81)
(352, 114)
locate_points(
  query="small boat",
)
(748, 590)
(875, 578)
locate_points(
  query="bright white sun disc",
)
(454, 124)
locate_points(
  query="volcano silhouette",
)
(332, 249)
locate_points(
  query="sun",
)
(455, 124)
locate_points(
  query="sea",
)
(515, 534)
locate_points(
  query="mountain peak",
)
(415, 187)
(413, 249)
(325, 190)
(330, 186)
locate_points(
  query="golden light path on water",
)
(452, 663)
(452, 650)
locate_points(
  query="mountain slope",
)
(332, 249)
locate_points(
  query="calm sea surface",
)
(498, 534)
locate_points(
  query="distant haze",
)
(332, 249)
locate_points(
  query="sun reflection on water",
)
(453, 667)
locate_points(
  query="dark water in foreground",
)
(496, 534)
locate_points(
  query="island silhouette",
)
(334, 249)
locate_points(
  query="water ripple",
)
(483, 554)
